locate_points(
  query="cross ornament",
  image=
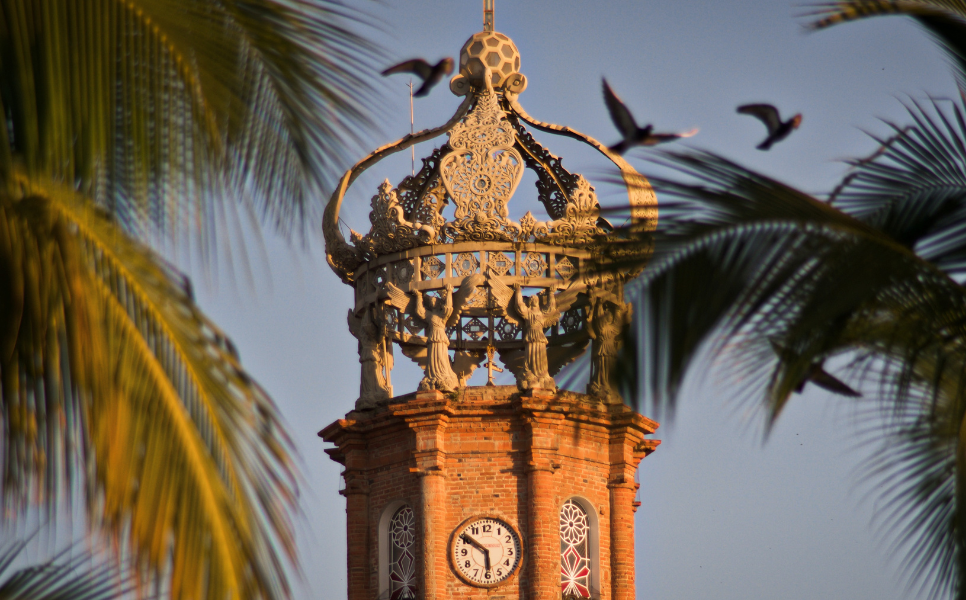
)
(490, 365)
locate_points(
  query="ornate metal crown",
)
(450, 291)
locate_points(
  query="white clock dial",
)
(486, 551)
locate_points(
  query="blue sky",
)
(724, 513)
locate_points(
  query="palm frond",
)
(69, 575)
(914, 187)
(185, 462)
(945, 20)
(773, 281)
(161, 109)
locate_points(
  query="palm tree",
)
(777, 282)
(146, 121)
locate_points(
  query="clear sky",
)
(724, 514)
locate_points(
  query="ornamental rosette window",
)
(402, 557)
(575, 566)
(445, 275)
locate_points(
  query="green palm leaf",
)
(944, 19)
(106, 357)
(161, 108)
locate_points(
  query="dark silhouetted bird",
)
(634, 135)
(768, 114)
(816, 374)
(430, 74)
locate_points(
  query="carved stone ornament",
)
(391, 231)
(606, 322)
(375, 357)
(481, 173)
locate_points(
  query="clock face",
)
(486, 551)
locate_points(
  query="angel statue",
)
(534, 371)
(435, 318)
(605, 324)
(375, 356)
(439, 372)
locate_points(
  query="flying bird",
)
(634, 135)
(768, 114)
(430, 74)
(817, 374)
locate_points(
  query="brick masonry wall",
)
(492, 451)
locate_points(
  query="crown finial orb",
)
(489, 51)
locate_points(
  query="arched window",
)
(402, 554)
(576, 558)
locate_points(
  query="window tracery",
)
(402, 559)
(575, 564)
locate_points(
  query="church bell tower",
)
(508, 492)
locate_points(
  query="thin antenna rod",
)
(488, 15)
(411, 130)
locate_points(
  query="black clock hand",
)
(473, 542)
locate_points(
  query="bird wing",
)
(515, 361)
(400, 299)
(467, 287)
(464, 363)
(416, 66)
(619, 114)
(827, 381)
(417, 354)
(767, 113)
(560, 356)
(566, 299)
(355, 323)
(503, 296)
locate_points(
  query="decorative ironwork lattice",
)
(379, 276)
(500, 263)
(465, 264)
(402, 562)
(507, 330)
(432, 267)
(571, 320)
(565, 268)
(574, 555)
(534, 264)
(404, 272)
(475, 328)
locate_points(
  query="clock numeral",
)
(463, 552)
(509, 551)
(499, 572)
(476, 572)
(476, 530)
(507, 562)
(467, 564)
(498, 532)
(487, 528)
(508, 539)
(487, 575)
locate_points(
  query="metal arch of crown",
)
(413, 251)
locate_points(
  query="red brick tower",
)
(498, 492)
